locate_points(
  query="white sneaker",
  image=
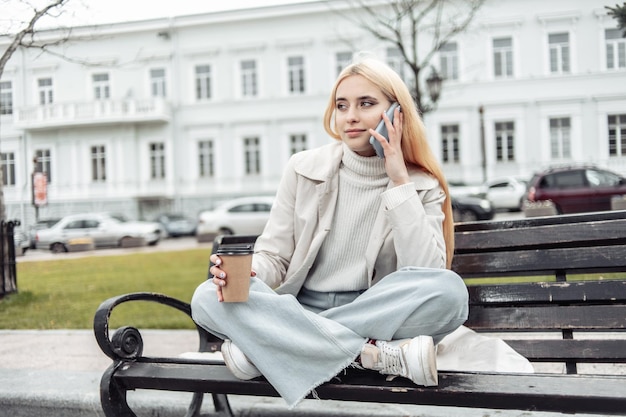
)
(237, 362)
(411, 358)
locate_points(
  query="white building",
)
(176, 114)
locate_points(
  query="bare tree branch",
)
(402, 24)
(25, 37)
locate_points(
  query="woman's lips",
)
(354, 133)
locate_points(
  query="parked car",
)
(468, 208)
(505, 193)
(241, 216)
(576, 189)
(460, 188)
(105, 229)
(40, 225)
(176, 224)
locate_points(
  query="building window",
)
(617, 135)
(6, 97)
(559, 53)
(297, 142)
(505, 141)
(252, 153)
(615, 49)
(342, 59)
(157, 160)
(44, 86)
(43, 163)
(450, 143)
(449, 61)
(158, 85)
(203, 82)
(503, 57)
(396, 61)
(8, 168)
(206, 158)
(101, 86)
(249, 86)
(560, 134)
(295, 66)
(98, 163)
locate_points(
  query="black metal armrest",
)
(126, 342)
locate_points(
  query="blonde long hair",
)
(415, 147)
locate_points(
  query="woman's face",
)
(359, 105)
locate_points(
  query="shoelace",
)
(355, 365)
(392, 361)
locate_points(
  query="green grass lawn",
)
(64, 294)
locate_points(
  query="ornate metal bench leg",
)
(196, 404)
(222, 406)
(220, 403)
(112, 396)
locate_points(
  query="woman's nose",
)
(352, 115)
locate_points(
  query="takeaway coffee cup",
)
(237, 263)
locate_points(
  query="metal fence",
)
(8, 274)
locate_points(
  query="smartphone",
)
(382, 129)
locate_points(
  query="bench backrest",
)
(554, 250)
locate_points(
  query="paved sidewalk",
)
(57, 373)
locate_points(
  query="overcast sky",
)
(86, 12)
(117, 10)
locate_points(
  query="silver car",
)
(103, 229)
(240, 216)
(506, 193)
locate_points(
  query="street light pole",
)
(483, 152)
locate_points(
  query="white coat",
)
(303, 212)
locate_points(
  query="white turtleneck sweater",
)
(340, 263)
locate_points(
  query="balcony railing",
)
(98, 112)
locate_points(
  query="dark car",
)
(469, 208)
(176, 224)
(576, 189)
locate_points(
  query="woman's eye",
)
(366, 104)
(341, 106)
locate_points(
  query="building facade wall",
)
(131, 122)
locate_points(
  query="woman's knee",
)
(202, 302)
(457, 290)
(445, 284)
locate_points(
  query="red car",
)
(577, 189)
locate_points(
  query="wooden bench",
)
(567, 319)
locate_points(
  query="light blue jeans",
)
(301, 343)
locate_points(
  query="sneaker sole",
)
(423, 348)
(231, 363)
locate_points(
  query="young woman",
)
(351, 269)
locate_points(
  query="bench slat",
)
(578, 350)
(563, 235)
(609, 292)
(564, 393)
(541, 221)
(549, 318)
(544, 261)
